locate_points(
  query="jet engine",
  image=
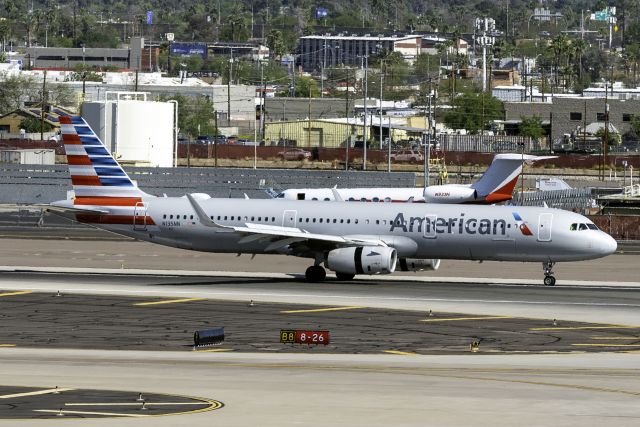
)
(362, 260)
(418, 264)
(451, 193)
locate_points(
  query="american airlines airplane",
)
(496, 185)
(347, 238)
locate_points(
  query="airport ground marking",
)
(7, 345)
(574, 328)
(606, 345)
(319, 310)
(104, 414)
(137, 404)
(400, 353)
(616, 338)
(169, 301)
(8, 294)
(454, 319)
(35, 393)
(213, 350)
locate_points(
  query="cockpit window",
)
(573, 227)
(583, 227)
(592, 226)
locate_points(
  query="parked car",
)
(412, 156)
(294, 154)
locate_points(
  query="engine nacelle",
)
(451, 193)
(363, 260)
(418, 264)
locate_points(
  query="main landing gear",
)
(549, 280)
(315, 273)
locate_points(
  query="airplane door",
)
(429, 228)
(140, 216)
(289, 218)
(544, 227)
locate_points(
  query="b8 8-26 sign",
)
(297, 336)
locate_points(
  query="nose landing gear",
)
(549, 279)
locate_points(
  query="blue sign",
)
(188, 49)
(321, 12)
(149, 17)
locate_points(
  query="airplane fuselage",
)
(504, 233)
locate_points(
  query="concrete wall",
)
(44, 184)
(283, 109)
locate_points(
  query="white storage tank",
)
(29, 156)
(133, 129)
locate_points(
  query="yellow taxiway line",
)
(213, 350)
(454, 319)
(35, 393)
(8, 294)
(7, 345)
(319, 310)
(105, 414)
(605, 345)
(570, 328)
(137, 404)
(616, 338)
(400, 353)
(169, 301)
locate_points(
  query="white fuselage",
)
(415, 230)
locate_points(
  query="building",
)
(321, 51)
(68, 58)
(10, 123)
(570, 114)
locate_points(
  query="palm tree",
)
(579, 47)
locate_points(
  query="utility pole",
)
(323, 65)
(380, 105)
(486, 26)
(605, 141)
(366, 112)
(43, 104)
(229, 89)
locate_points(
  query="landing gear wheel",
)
(547, 267)
(344, 276)
(315, 273)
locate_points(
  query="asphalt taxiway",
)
(390, 361)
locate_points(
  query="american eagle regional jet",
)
(347, 238)
(496, 185)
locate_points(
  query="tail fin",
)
(499, 180)
(96, 176)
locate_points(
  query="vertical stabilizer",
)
(97, 178)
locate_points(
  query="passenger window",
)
(351, 199)
(335, 220)
(387, 199)
(320, 219)
(377, 221)
(211, 217)
(306, 220)
(573, 227)
(342, 221)
(225, 217)
(366, 221)
(259, 218)
(273, 219)
(375, 199)
(232, 217)
(356, 220)
(164, 216)
(314, 220)
(348, 221)
(190, 216)
(326, 199)
(583, 227)
(364, 199)
(315, 198)
(252, 218)
(218, 217)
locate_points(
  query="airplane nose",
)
(608, 245)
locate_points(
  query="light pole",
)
(366, 112)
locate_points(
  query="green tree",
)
(306, 87)
(473, 111)
(15, 90)
(531, 127)
(32, 125)
(275, 42)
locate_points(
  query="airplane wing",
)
(62, 209)
(281, 236)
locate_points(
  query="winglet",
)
(202, 215)
(336, 195)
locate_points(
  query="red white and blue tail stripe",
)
(99, 182)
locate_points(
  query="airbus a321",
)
(496, 185)
(348, 238)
